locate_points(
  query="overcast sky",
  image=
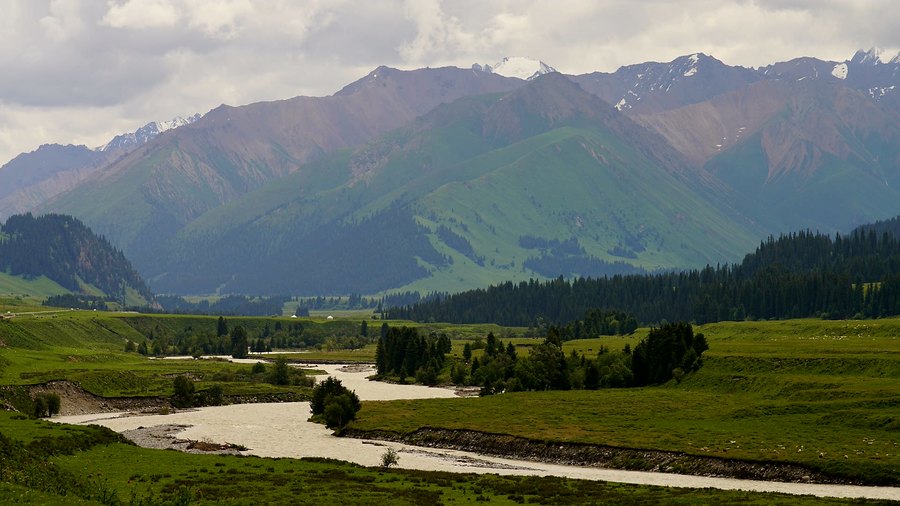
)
(81, 71)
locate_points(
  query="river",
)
(281, 430)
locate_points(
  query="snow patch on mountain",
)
(518, 66)
(146, 133)
(879, 92)
(874, 56)
(840, 71)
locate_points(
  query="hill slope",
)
(150, 193)
(544, 180)
(798, 275)
(61, 249)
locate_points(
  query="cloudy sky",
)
(81, 71)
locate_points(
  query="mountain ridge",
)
(421, 173)
(750, 141)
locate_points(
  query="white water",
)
(281, 430)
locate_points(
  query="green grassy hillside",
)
(87, 348)
(822, 394)
(19, 285)
(818, 200)
(767, 390)
(572, 183)
(448, 202)
(48, 463)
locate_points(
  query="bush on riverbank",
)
(334, 403)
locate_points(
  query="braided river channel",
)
(282, 430)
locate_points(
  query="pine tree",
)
(239, 342)
(221, 327)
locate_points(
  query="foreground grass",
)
(86, 348)
(45, 463)
(804, 391)
(825, 395)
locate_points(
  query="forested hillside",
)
(891, 226)
(798, 275)
(66, 251)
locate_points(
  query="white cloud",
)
(63, 21)
(219, 18)
(140, 14)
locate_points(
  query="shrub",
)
(213, 396)
(389, 458)
(184, 392)
(334, 402)
(40, 406)
(258, 368)
(281, 374)
(46, 404)
(339, 411)
(330, 387)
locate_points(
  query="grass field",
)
(87, 348)
(42, 287)
(817, 393)
(46, 463)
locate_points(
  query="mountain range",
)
(445, 179)
(33, 178)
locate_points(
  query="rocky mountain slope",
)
(459, 177)
(33, 178)
(541, 181)
(150, 193)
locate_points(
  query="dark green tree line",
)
(401, 351)
(797, 275)
(669, 351)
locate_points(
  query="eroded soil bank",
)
(74, 400)
(576, 454)
(77, 401)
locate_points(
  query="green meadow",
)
(821, 394)
(47, 463)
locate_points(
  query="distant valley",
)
(447, 179)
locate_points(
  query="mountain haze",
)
(150, 193)
(444, 179)
(31, 179)
(654, 87)
(544, 180)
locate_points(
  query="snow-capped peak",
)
(162, 126)
(872, 57)
(518, 66)
(146, 133)
(695, 58)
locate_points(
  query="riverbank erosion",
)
(591, 455)
(75, 400)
